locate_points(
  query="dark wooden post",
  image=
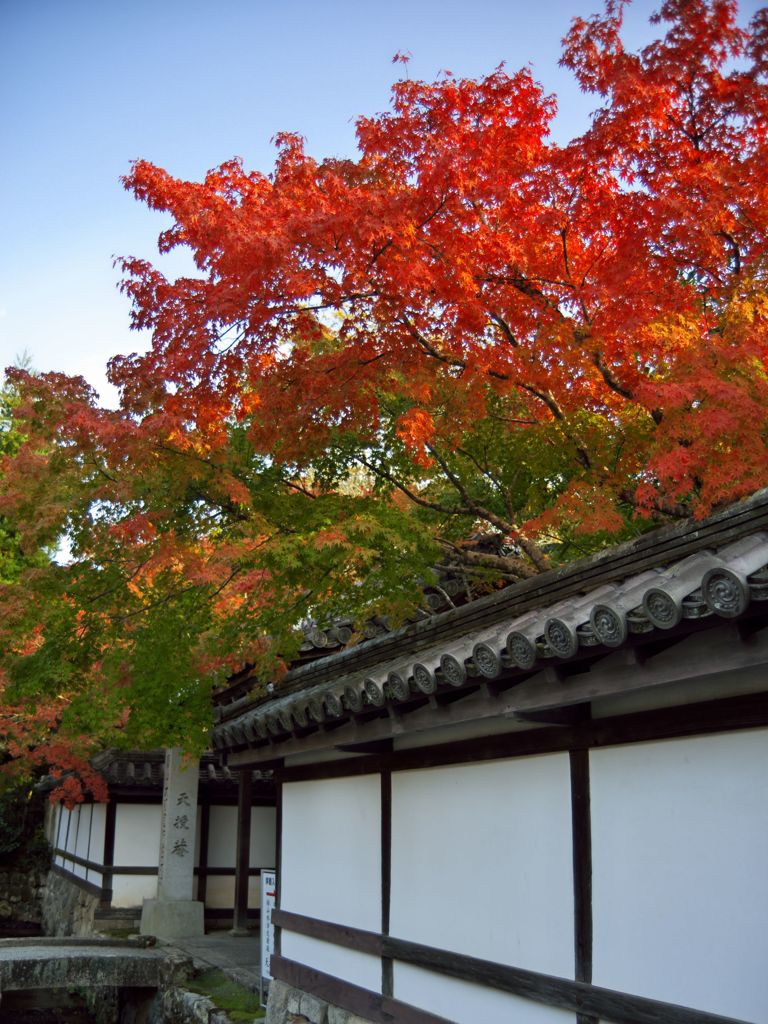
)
(243, 862)
(109, 854)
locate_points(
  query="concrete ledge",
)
(59, 966)
(172, 919)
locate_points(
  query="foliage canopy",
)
(468, 330)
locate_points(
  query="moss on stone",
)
(238, 1002)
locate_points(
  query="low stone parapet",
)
(66, 907)
(22, 894)
(289, 1005)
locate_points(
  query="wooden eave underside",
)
(680, 619)
(665, 546)
(722, 653)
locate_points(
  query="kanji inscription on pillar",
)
(179, 824)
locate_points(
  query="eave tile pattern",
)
(147, 768)
(721, 583)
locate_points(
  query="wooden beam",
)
(366, 747)
(387, 970)
(360, 1001)
(571, 715)
(243, 851)
(582, 863)
(202, 866)
(278, 859)
(709, 651)
(577, 997)
(109, 852)
(723, 715)
(337, 934)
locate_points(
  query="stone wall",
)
(182, 1007)
(288, 1005)
(21, 899)
(67, 909)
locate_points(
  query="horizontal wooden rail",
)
(361, 1001)
(564, 993)
(723, 715)
(338, 934)
(89, 887)
(135, 869)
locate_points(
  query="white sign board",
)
(268, 896)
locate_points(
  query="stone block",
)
(338, 1016)
(280, 995)
(294, 1002)
(314, 1009)
(172, 919)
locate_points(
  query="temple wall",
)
(680, 847)
(331, 866)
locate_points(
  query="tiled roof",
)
(129, 768)
(721, 581)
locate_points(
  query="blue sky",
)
(88, 85)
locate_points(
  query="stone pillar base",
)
(172, 919)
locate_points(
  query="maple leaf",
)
(468, 347)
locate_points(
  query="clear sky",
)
(88, 85)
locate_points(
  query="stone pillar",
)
(242, 878)
(175, 914)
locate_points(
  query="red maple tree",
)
(469, 329)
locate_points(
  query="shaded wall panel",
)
(482, 861)
(222, 837)
(70, 827)
(98, 829)
(137, 835)
(131, 890)
(254, 892)
(220, 891)
(680, 887)
(82, 838)
(465, 1003)
(347, 964)
(263, 826)
(60, 839)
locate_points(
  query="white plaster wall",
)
(331, 851)
(680, 886)
(83, 836)
(464, 1003)
(72, 836)
(347, 964)
(131, 890)
(137, 835)
(482, 861)
(98, 828)
(59, 834)
(98, 832)
(84, 830)
(222, 838)
(69, 830)
(56, 836)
